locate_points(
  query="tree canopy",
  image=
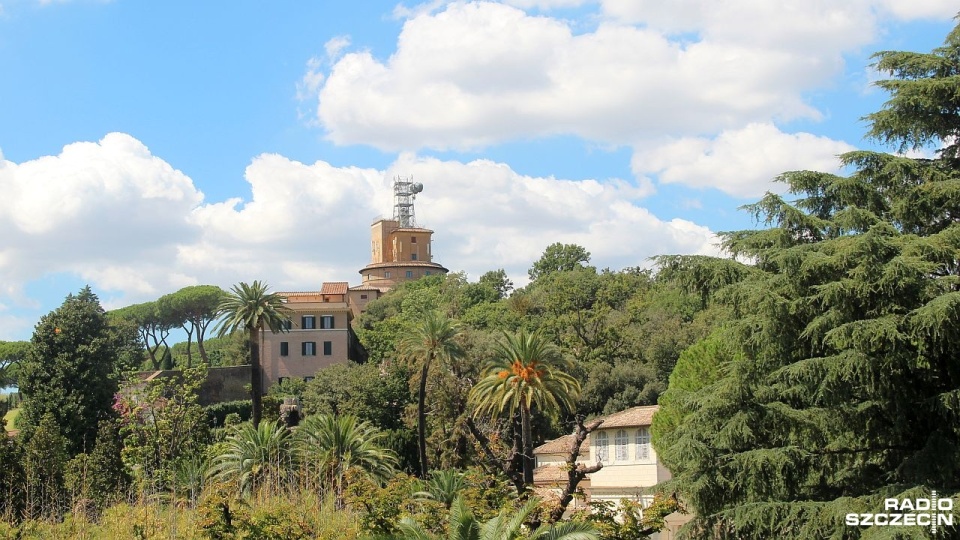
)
(842, 385)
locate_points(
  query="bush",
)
(217, 413)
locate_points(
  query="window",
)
(413, 256)
(282, 380)
(326, 322)
(284, 348)
(409, 273)
(602, 451)
(621, 442)
(386, 274)
(643, 444)
(413, 239)
(308, 322)
(287, 324)
(363, 297)
(309, 348)
(307, 379)
(428, 272)
(327, 348)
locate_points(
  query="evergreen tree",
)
(843, 386)
(70, 372)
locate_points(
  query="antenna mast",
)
(404, 192)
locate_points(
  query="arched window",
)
(621, 442)
(643, 444)
(601, 442)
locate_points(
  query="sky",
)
(147, 146)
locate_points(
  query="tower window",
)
(413, 256)
(413, 239)
(386, 274)
(409, 273)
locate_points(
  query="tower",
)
(399, 249)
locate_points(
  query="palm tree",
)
(443, 486)
(252, 308)
(526, 372)
(332, 446)
(252, 456)
(434, 338)
(505, 526)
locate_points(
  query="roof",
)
(334, 287)
(549, 474)
(561, 445)
(402, 264)
(365, 288)
(633, 417)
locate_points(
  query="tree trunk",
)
(203, 352)
(189, 342)
(527, 437)
(422, 416)
(256, 378)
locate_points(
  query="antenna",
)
(404, 192)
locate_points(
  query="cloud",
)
(126, 221)
(740, 162)
(480, 73)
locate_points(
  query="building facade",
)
(630, 465)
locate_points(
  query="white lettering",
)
(922, 504)
(908, 519)
(882, 519)
(866, 520)
(907, 504)
(923, 520)
(852, 520)
(945, 519)
(945, 505)
(891, 504)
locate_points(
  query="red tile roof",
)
(334, 287)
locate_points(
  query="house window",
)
(308, 322)
(363, 297)
(287, 324)
(326, 322)
(409, 273)
(643, 444)
(309, 348)
(284, 348)
(621, 442)
(602, 442)
(428, 272)
(386, 274)
(413, 256)
(327, 348)
(413, 239)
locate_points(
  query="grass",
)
(10, 417)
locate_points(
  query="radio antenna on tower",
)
(404, 192)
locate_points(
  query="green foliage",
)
(251, 308)
(11, 479)
(334, 449)
(629, 520)
(253, 458)
(70, 371)
(99, 476)
(840, 386)
(12, 353)
(508, 525)
(559, 258)
(162, 423)
(195, 307)
(44, 460)
(152, 324)
(218, 412)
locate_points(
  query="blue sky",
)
(149, 146)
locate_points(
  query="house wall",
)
(295, 363)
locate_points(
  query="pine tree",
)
(70, 372)
(844, 388)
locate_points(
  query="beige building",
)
(630, 466)
(318, 335)
(398, 254)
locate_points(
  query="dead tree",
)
(576, 472)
